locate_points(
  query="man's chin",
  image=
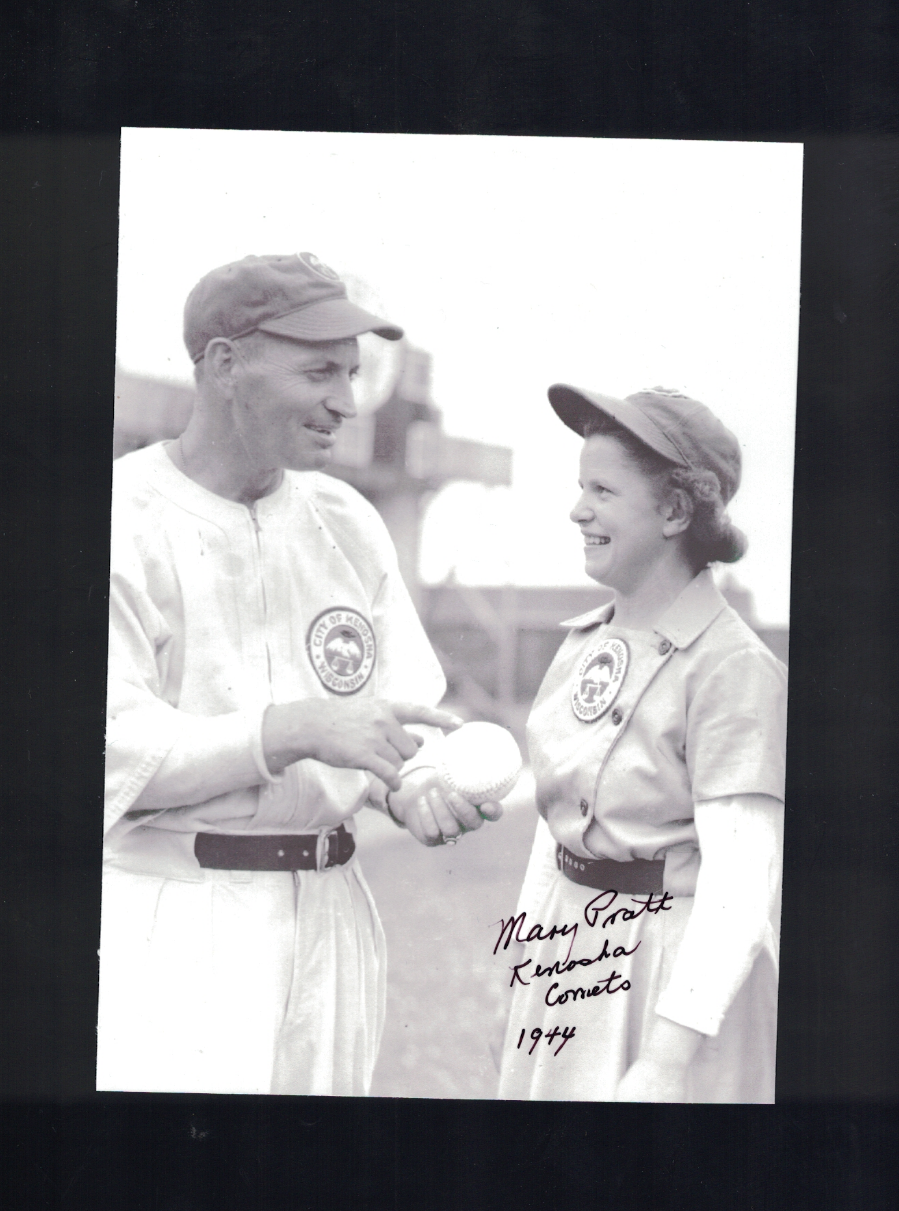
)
(309, 460)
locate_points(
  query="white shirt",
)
(686, 764)
(699, 715)
(217, 610)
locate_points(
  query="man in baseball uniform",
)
(264, 657)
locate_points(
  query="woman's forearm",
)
(740, 840)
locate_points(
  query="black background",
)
(826, 74)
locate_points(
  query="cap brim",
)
(330, 320)
(575, 406)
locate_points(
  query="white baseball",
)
(481, 761)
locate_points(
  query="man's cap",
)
(681, 429)
(294, 296)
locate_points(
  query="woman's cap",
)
(294, 296)
(681, 429)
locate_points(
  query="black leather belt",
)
(605, 874)
(255, 851)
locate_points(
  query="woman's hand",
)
(650, 1081)
(434, 814)
(659, 1073)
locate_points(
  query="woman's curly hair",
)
(712, 536)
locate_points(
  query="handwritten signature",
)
(558, 969)
(511, 929)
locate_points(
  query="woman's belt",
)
(605, 874)
(256, 851)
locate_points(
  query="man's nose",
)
(340, 399)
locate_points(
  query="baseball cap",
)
(294, 296)
(681, 429)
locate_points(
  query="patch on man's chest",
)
(598, 679)
(342, 649)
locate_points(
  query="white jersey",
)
(693, 711)
(632, 736)
(217, 610)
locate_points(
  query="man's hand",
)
(433, 813)
(365, 733)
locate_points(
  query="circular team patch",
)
(341, 646)
(598, 679)
(312, 262)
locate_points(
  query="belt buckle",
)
(325, 853)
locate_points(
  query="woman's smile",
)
(618, 514)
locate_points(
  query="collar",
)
(693, 611)
(172, 483)
(583, 622)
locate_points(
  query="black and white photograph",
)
(449, 616)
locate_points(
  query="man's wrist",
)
(281, 732)
(389, 810)
(379, 800)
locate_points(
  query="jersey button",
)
(617, 716)
(664, 647)
(585, 807)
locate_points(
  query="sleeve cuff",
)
(679, 1007)
(258, 752)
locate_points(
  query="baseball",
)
(481, 761)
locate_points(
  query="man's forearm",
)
(210, 757)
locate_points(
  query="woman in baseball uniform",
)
(643, 954)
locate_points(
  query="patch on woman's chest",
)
(598, 679)
(341, 646)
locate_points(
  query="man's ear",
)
(220, 360)
(677, 513)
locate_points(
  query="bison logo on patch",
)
(344, 652)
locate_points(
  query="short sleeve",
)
(736, 728)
